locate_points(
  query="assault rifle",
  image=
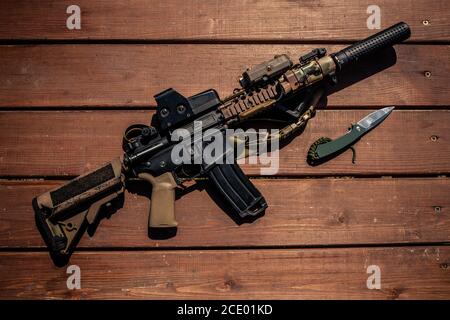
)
(63, 214)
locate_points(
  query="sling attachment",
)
(288, 130)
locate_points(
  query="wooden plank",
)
(301, 212)
(46, 143)
(129, 75)
(218, 20)
(406, 273)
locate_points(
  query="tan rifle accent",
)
(64, 211)
(244, 104)
(162, 205)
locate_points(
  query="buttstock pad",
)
(63, 213)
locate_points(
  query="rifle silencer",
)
(381, 40)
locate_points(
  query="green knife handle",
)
(335, 147)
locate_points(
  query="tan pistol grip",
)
(162, 206)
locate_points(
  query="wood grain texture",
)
(306, 212)
(61, 143)
(192, 46)
(129, 75)
(220, 20)
(406, 273)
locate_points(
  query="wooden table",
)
(66, 97)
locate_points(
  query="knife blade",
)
(325, 149)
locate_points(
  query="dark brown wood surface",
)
(74, 142)
(409, 272)
(302, 212)
(130, 75)
(66, 97)
(267, 20)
